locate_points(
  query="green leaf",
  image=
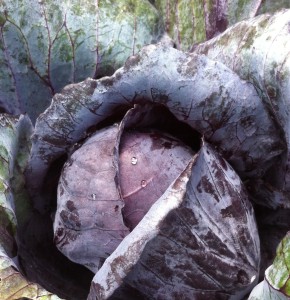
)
(14, 151)
(270, 6)
(14, 207)
(45, 45)
(14, 286)
(276, 285)
(278, 275)
(193, 21)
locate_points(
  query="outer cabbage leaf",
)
(204, 219)
(273, 226)
(14, 208)
(193, 21)
(13, 284)
(14, 151)
(45, 45)
(278, 275)
(200, 92)
(269, 6)
(276, 285)
(258, 50)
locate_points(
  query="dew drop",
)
(94, 196)
(143, 183)
(134, 160)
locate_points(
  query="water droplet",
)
(134, 160)
(253, 278)
(94, 196)
(143, 183)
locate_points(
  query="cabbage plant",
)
(167, 179)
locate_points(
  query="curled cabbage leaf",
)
(258, 50)
(204, 219)
(199, 92)
(202, 93)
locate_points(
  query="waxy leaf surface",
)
(208, 223)
(45, 45)
(14, 208)
(258, 50)
(89, 202)
(193, 21)
(204, 94)
(108, 185)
